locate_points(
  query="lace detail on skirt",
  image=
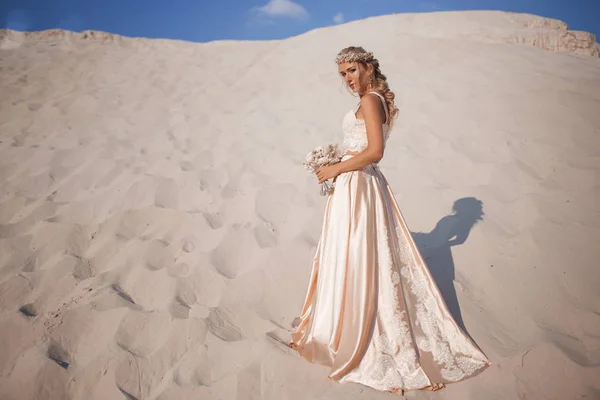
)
(441, 337)
(395, 363)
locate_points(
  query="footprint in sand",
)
(265, 235)
(186, 166)
(29, 310)
(141, 333)
(34, 106)
(57, 354)
(185, 294)
(273, 204)
(221, 323)
(140, 376)
(167, 194)
(159, 255)
(232, 263)
(213, 220)
(117, 288)
(15, 291)
(203, 159)
(207, 286)
(179, 310)
(82, 269)
(188, 245)
(211, 179)
(151, 290)
(218, 361)
(81, 334)
(179, 269)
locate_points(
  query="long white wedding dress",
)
(372, 312)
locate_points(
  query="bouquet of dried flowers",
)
(321, 157)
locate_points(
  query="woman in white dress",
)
(372, 312)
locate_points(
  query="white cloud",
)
(338, 18)
(283, 8)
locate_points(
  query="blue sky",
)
(202, 20)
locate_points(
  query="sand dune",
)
(156, 224)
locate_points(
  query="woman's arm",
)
(372, 110)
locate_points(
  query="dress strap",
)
(387, 117)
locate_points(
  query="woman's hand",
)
(328, 172)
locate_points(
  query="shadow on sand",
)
(435, 246)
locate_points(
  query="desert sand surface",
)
(156, 224)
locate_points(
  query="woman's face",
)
(350, 72)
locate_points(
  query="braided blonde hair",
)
(377, 81)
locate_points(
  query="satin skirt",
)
(372, 311)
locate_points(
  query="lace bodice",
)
(355, 130)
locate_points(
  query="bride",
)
(372, 311)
